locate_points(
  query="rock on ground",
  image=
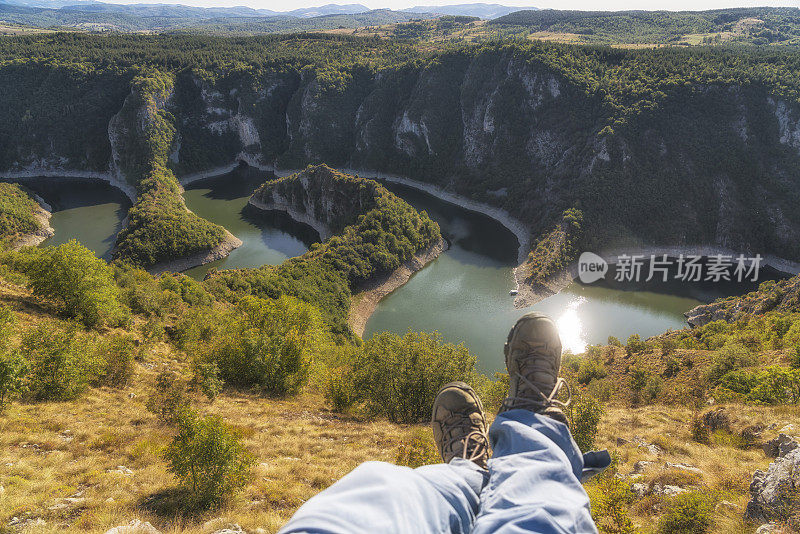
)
(780, 446)
(134, 527)
(776, 492)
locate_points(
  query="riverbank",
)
(127, 189)
(531, 294)
(229, 243)
(42, 215)
(224, 169)
(366, 300)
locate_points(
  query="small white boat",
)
(513, 292)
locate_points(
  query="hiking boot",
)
(459, 424)
(533, 360)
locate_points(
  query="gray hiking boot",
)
(459, 424)
(533, 360)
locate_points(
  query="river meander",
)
(463, 294)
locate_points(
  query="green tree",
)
(265, 343)
(81, 282)
(61, 366)
(586, 415)
(399, 376)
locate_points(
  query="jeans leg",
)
(381, 497)
(534, 479)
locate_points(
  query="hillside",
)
(111, 433)
(758, 26)
(23, 220)
(366, 234)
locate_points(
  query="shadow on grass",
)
(173, 502)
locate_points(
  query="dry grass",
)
(12, 29)
(95, 462)
(57, 451)
(54, 451)
(725, 470)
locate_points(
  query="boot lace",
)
(537, 400)
(461, 431)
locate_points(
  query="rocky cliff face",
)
(783, 296)
(711, 165)
(322, 198)
(719, 163)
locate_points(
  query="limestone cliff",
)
(713, 164)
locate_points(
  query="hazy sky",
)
(673, 5)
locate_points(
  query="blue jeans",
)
(532, 485)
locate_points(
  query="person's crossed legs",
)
(531, 483)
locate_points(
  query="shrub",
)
(699, 431)
(673, 367)
(209, 458)
(74, 277)
(590, 369)
(652, 388)
(491, 392)
(586, 415)
(614, 341)
(688, 513)
(12, 365)
(340, 393)
(399, 376)
(731, 357)
(205, 377)
(610, 498)
(418, 451)
(169, 400)
(635, 345)
(266, 344)
(639, 378)
(191, 291)
(61, 367)
(117, 365)
(601, 390)
(668, 346)
(12, 375)
(776, 385)
(794, 358)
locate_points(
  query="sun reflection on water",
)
(570, 328)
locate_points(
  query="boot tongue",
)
(541, 375)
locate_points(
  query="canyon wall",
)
(713, 164)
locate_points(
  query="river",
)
(90, 211)
(267, 239)
(463, 294)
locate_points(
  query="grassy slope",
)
(57, 451)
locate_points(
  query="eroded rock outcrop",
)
(775, 493)
(783, 295)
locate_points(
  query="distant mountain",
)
(169, 10)
(285, 24)
(184, 11)
(328, 9)
(484, 11)
(168, 18)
